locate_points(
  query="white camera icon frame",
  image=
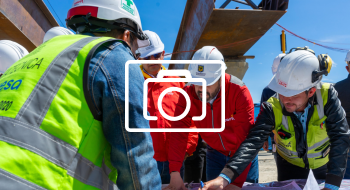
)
(188, 78)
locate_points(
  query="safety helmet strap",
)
(83, 24)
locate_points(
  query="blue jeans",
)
(163, 168)
(132, 153)
(253, 175)
(215, 163)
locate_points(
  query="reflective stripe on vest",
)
(24, 130)
(295, 154)
(56, 151)
(13, 182)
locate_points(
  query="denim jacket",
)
(132, 153)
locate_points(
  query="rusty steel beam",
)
(221, 27)
(227, 26)
(25, 22)
(9, 31)
(194, 20)
(40, 13)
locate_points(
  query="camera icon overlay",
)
(160, 78)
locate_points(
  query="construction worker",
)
(10, 52)
(239, 118)
(161, 139)
(65, 128)
(56, 31)
(307, 119)
(343, 89)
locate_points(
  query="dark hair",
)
(132, 38)
(84, 24)
(115, 33)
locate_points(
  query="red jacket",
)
(161, 139)
(239, 119)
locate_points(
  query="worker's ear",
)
(311, 92)
(347, 68)
(127, 37)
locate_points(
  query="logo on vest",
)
(5, 105)
(230, 119)
(289, 145)
(12, 85)
(28, 65)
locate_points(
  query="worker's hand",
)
(186, 156)
(216, 184)
(176, 182)
(266, 146)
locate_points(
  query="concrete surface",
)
(267, 167)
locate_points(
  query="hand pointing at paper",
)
(216, 184)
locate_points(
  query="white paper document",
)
(311, 183)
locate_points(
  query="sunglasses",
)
(156, 56)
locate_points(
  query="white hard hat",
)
(294, 74)
(56, 31)
(210, 72)
(347, 56)
(276, 62)
(10, 53)
(156, 45)
(120, 11)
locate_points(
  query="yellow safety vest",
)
(318, 145)
(49, 136)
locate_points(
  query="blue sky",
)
(321, 20)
